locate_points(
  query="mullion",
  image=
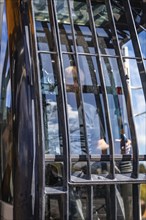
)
(103, 86)
(60, 101)
(40, 153)
(136, 43)
(136, 201)
(67, 159)
(95, 90)
(80, 101)
(82, 110)
(126, 92)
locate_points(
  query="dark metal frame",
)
(39, 159)
(135, 179)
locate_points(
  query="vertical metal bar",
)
(104, 92)
(80, 92)
(125, 90)
(112, 200)
(136, 44)
(136, 202)
(61, 103)
(82, 111)
(39, 136)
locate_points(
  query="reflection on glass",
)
(122, 28)
(79, 169)
(117, 104)
(78, 203)
(66, 37)
(106, 45)
(138, 102)
(54, 207)
(140, 23)
(82, 116)
(49, 88)
(142, 40)
(103, 29)
(84, 39)
(99, 168)
(54, 174)
(41, 10)
(124, 201)
(88, 64)
(44, 34)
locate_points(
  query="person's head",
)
(71, 76)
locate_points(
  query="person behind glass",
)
(95, 139)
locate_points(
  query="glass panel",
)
(83, 34)
(122, 29)
(100, 204)
(49, 89)
(100, 169)
(117, 104)
(6, 132)
(78, 203)
(142, 40)
(140, 22)
(124, 202)
(142, 167)
(84, 39)
(41, 10)
(54, 174)
(88, 64)
(66, 37)
(91, 105)
(75, 115)
(64, 23)
(79, 169)
(103, 30)
(138, 102)
(44, 34)
(54, 208)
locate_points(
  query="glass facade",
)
(95, 49)
(84, 78)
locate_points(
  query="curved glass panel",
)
(138, 102)
(103, 29)
(117, 104)
(122, 29)
(140, 22)
(84, 103)
(44, 34)
(49, 89)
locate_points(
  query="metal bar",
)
(136, 44)
(80, 103)
(61, 105)
(46, 52)
(112, 202)
(104, 92)
(103, 157)
(136, 201)
(126, 92)
(39, 136)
